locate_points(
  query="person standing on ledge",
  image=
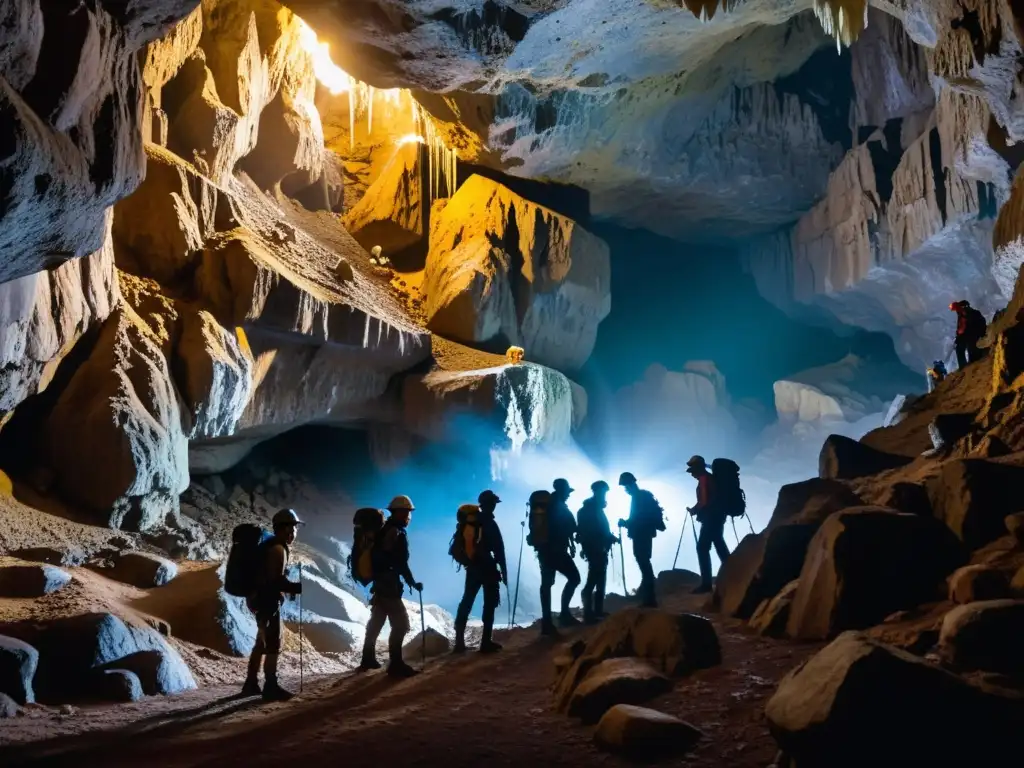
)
(390, 566)
(711, 519)
(272, 586)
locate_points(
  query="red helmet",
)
(952, 306)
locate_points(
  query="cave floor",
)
(463, 711)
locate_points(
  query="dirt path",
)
(460, 712)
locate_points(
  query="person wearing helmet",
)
(487, 571)
(644, 522)
(390, 567)
(595, 538)
(712, 522)
(970, 329)
(273, 585)
(936, 374)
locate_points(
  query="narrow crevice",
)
(885, 158)
(938, 172)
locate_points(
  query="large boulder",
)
(673, 644)
(644, 733)
(116, 430)
(142, 569)
(978, 582)
(328, 635)
(18, 663)
(321, 597)
(772, 616)
(761, 566)
(32, 580)
(501, 267)
(858, 702)
(8, 707)
(985, 635)
(867, 562)
(71, 650)
(616, 681)
(843, 458)
(974, 496)
(811, 501)
(436, 644)
(159, 672)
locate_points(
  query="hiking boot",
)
(489, 646)
(401, 669)
(566, 619)
(274, 692)
(367, 664)
(703, 589)
(251, 688)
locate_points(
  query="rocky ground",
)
(461, 711)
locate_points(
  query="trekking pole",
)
(622, 559)
(747, 517)
(300, 629)
(519, 569)
(423, 630)
(734, 533)
(680, 545)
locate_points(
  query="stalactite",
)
(843, 19)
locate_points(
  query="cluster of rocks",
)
(911, 562)
(633, 657)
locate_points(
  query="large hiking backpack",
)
(726, 493)
(540, 521)
(366, 525)
(241, 577)
(651, 513)
(976, 323)
(466, 540)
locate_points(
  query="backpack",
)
(976, 323)
(241, 577)
(539, 504)
(725, 485)
(466, 538)
(366, 524)
(651, 514)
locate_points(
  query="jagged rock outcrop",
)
(980, 636)
(885, 706)
(973, 498)
(73, 145)
(504, 270)
(18, 664)
(391, 213)
(866, 563)
(845, 459)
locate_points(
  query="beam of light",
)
(330, 75)
(410, 138)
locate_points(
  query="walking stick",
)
(519, 569)
(423, 631)
(300, 630)
(747, 517)
(734, 533)
(680, 545)
(622, 559)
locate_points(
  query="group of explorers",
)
(258, 564)
(971, 327)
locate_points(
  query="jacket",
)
(491, 547)
(390, 560)
(593, 531)
(273, 583)
(643, 510)
(562, 525)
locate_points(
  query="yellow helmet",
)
(401, 503)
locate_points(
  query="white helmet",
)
(401, 504)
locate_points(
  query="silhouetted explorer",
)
(595, 539)
(479, 548)
(645, 520)
(552, 527)
(272, 584)
(390, 557)
(970, 329)
(711, 519)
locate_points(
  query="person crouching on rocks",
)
(272, 586)
(390, 566)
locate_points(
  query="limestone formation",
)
(328, 635)
(501, 267)
(436, 644)
(644, 733)
(116, 431)
(18, 664)
(391, 214)
(879, 701)
(612, 682)
(866, 563)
